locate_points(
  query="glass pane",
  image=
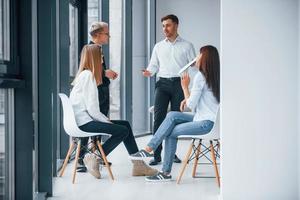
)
(4, 30)
(3, 177)
(115, 26)
(140, 113)
(73, 27)
(93, 13)
(1, 29)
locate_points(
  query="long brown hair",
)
(91, 59)
(209, 65)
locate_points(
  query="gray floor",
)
(127, 187)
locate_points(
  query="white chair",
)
(212, 136)
(72, 130)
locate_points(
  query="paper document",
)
(187, 66)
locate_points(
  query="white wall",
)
(199, 20)
(259, 43)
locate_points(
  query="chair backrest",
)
(215, 131)
(69, 121)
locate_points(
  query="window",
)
(6, 144)
(73, 27)
(93, 13)
(115, 42)
(4, 30)
(2, 146)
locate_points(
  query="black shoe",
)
(176, 159)
(102, 162)
(154, 161)
(81, 167)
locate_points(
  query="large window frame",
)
(9, 63)
(8, 178)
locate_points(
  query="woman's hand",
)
(185, 81)
(182, 105)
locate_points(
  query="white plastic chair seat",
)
(69, 121)
(204, 137)
(214, 134)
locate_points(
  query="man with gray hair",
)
(100, 35)
(99, 32)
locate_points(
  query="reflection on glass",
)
(73, 27)
(3, 181)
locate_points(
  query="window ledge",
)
(11, 83)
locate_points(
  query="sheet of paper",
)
(187, 66)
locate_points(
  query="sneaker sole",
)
(140, 158)
(153, 181)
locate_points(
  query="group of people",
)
(90, 100)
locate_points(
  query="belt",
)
(170, 79)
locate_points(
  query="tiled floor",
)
(126, 187)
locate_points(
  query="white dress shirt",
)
(169, 57)
(84, 98)
(202, 100)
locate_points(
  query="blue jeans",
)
(175, 124)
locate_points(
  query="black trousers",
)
(103, 95)
(166, 91)
(120, 130)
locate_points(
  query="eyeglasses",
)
(105, 34)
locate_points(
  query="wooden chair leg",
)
(214, 162)
(196, 158)
(76, 160)
(105, 160)
(185, 161)
(66, 159)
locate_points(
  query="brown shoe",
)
(140, 168)
(92, 164)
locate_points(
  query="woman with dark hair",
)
(203, 100)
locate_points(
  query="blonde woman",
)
(84, 98)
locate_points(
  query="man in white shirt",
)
(168, 57)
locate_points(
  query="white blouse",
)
(84, 98)
(202, 100)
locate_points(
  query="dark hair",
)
(174, 18)
(210, 68)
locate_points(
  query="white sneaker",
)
(92, 164)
